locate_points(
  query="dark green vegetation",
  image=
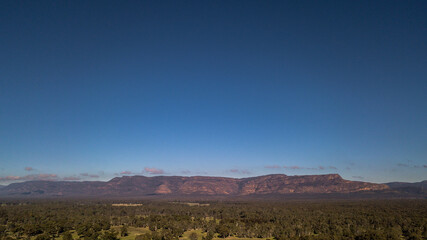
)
(369, 219)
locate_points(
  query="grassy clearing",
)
(193, 204)
(126, 204)
(186, 234)
(133, 232)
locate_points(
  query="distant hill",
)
(128, 186)
(417, 187)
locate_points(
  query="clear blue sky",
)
(90, 89)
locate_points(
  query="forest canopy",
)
(368, 219)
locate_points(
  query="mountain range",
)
(139, 186)
(404, 187)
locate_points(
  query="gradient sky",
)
(90, 90)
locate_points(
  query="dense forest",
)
(367, 219)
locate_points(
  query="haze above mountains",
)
(268, 185)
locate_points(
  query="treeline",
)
(374, 219)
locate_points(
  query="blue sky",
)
(91, 90)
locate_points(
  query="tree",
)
(223, 230)
(2, 231)
(209, 236)
(193, 236)
(109, 235)
(43, 236)
(124, 231)
(67, 236)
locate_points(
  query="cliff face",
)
(282, 184)
(175, 185)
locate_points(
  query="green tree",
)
(2, 231)
(43, 236)
(67, 236)
(124, 231)
(209, 236)
(193, 236)
(109, 235)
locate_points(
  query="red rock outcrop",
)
(175, 185)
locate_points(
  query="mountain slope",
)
(199, 185)
(416, 187)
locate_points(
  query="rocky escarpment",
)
(282, 184)
(199, 185)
